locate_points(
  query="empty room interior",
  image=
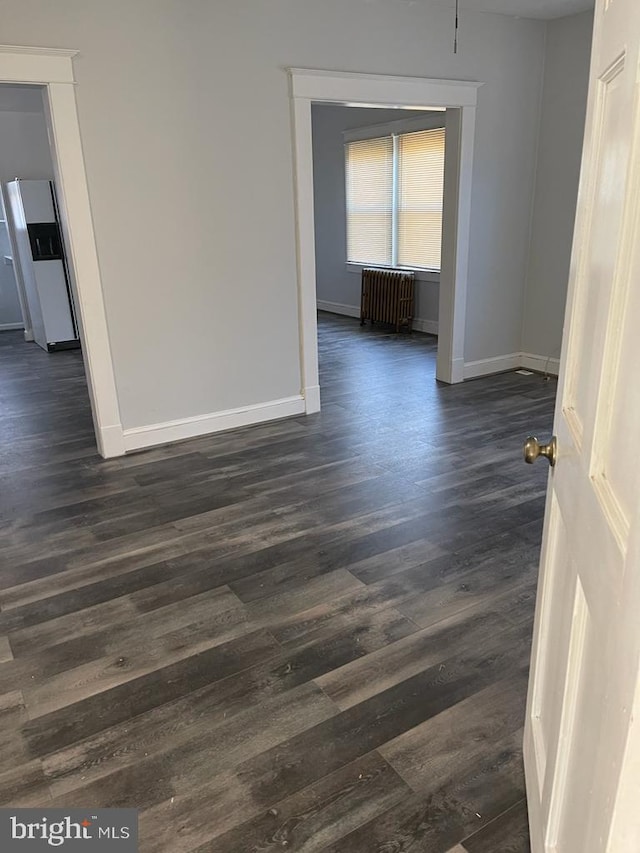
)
(270, 551)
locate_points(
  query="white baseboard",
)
(164, 433)
(339, 308)
(312, 399)
(470, 369)
(486, 366)
(512, 361)
(111, 441)
(5, 327)
(457, 371)
(429, 326)
(540, 363)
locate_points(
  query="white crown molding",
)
(38, 51)
(39, 65)
(378, 89)
(355, 75)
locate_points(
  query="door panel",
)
(582, 744)
(551, 661)
(610, 155)
(571, 693)
(617, 431)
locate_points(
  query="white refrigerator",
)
(38, 238)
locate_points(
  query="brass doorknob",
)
(533, 449)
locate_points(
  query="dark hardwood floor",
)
(309, 635)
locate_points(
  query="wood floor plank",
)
(13, 715)
(186, 821)
(75, 722)
(266, 611)
(428, 757)
(185, 765)
(321, 814)
(433, 822)
(360, 555)
(24, 614)
(453, 572)
(368, 725)
(509, 833)
(360, 680)
(493, 550)
(309, 634)
(156, 730)
(5, 649)
(473, 587)
(132, 662)
(24, 786)
(122, 617)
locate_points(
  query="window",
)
(394, 199)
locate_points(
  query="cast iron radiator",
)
(387, 297)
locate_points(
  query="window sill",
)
(421, 274)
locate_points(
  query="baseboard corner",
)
(429, 327)
(495, 364)
(110, 440)
(540, 363)
(512, 361)
(338, 308)
(311, 399)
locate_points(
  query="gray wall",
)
(24, 145)
(186, 127)
(559, 153)
(10, 312)
(335, 284)
(24, 153)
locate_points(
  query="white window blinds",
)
(420, 188)
(370, 201)
(394, 199)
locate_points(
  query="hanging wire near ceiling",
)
(457, 27)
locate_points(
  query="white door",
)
(582, 735)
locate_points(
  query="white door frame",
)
(348, 89)
(53, 69)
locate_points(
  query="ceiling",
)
(544, 9)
